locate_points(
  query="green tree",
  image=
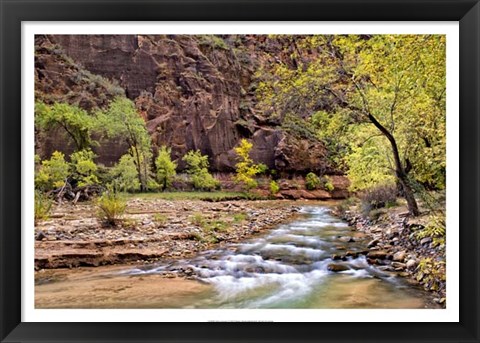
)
(246, 169)
(121, 120)
(84, 167)
(312, 181)
(197, 168)
(52, 173)
(125, 175)
(383, 91)
(166, 168)
(77, 123)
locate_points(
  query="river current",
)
(290, 267)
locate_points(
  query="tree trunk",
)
(399, 171)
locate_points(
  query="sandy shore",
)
(103, 287)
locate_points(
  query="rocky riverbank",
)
(395, 247)
(151, 230)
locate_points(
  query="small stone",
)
(40, 236)
(346, 239)
(373, 243)
(351, 253)
(399, 256)
(377, 254)
(425, 240)
(411, 264)
(399, 265)
(337, 267)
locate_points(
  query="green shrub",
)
(197, 219)
(205, 181)
(52, 173)
(84, 167)
(197, 168)
(152, 185)
(160, 218)
(246, 169)
(111, 207)
(435, 228)
(216, 225)
(431, 274)
(274, 187)
(312, 181)
(166, 168)
(43, 205)
(327, 183)
(130, 223)
(213, 41)
(239, 217)
(125, 175)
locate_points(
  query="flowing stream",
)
(289, 267)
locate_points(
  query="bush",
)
(84, 167)
(197, 219)
(160, 219)
(246, 169)
(166, 168)
(431, 274)
(197, 168)
(52, 173)
(379, 197)
(312, 181)
(125, 175)
(239, 217)
(43, 204)
(435, 228)
(274, 187)
(327, 183)
(112, 206)
(205, 181)
(216, 225)
(213, 41)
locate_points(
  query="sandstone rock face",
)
(194, 92)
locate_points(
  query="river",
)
(289, 267)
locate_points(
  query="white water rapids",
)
(288, 268)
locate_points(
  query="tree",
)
(52, 173)
(166, 168)
(197, 168)
(246, 168)
(121, 120)
(77, 123)
(125, 175)
(84, 167)
(390, 91)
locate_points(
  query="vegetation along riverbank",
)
(151, 149)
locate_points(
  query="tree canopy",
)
(377, 101)
(121, 120)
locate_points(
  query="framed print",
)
(239, 171)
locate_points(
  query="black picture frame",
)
(13, 12)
